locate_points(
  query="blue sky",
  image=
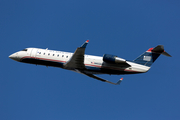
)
(125, 28)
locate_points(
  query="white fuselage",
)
(93, 64)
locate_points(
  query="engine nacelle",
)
(113, 59)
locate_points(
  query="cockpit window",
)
(24, 50)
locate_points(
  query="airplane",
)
(88, 64)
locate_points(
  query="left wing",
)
(98, 78)
(103, 80)
(77, 60)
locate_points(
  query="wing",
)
(98, 78)
(103, 80)
(77, 60)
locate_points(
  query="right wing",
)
(77, 60)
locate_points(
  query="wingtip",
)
(118, 83)
(85, 44)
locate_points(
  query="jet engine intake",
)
(113, 59)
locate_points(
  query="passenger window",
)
(62, 55)
(58, 55)
(48, 53)
(66, 56)
(44, 53)
(53, 54)
(39, 52)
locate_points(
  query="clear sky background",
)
(125, 28)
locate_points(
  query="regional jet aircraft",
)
(88, 64)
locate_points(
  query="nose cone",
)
(13, 56)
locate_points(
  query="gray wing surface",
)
(103, 80)
(98, 78)
(77, 60)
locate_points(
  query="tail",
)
(149, 57)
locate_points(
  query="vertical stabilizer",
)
(149, 57)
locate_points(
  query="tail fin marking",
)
(149, 57)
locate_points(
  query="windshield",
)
(24, 50)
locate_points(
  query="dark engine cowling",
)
(113, 59)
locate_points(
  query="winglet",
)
(119, 81)
(85, 44)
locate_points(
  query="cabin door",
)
(34, 53)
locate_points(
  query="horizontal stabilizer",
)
(160, 49)
(166, 54)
